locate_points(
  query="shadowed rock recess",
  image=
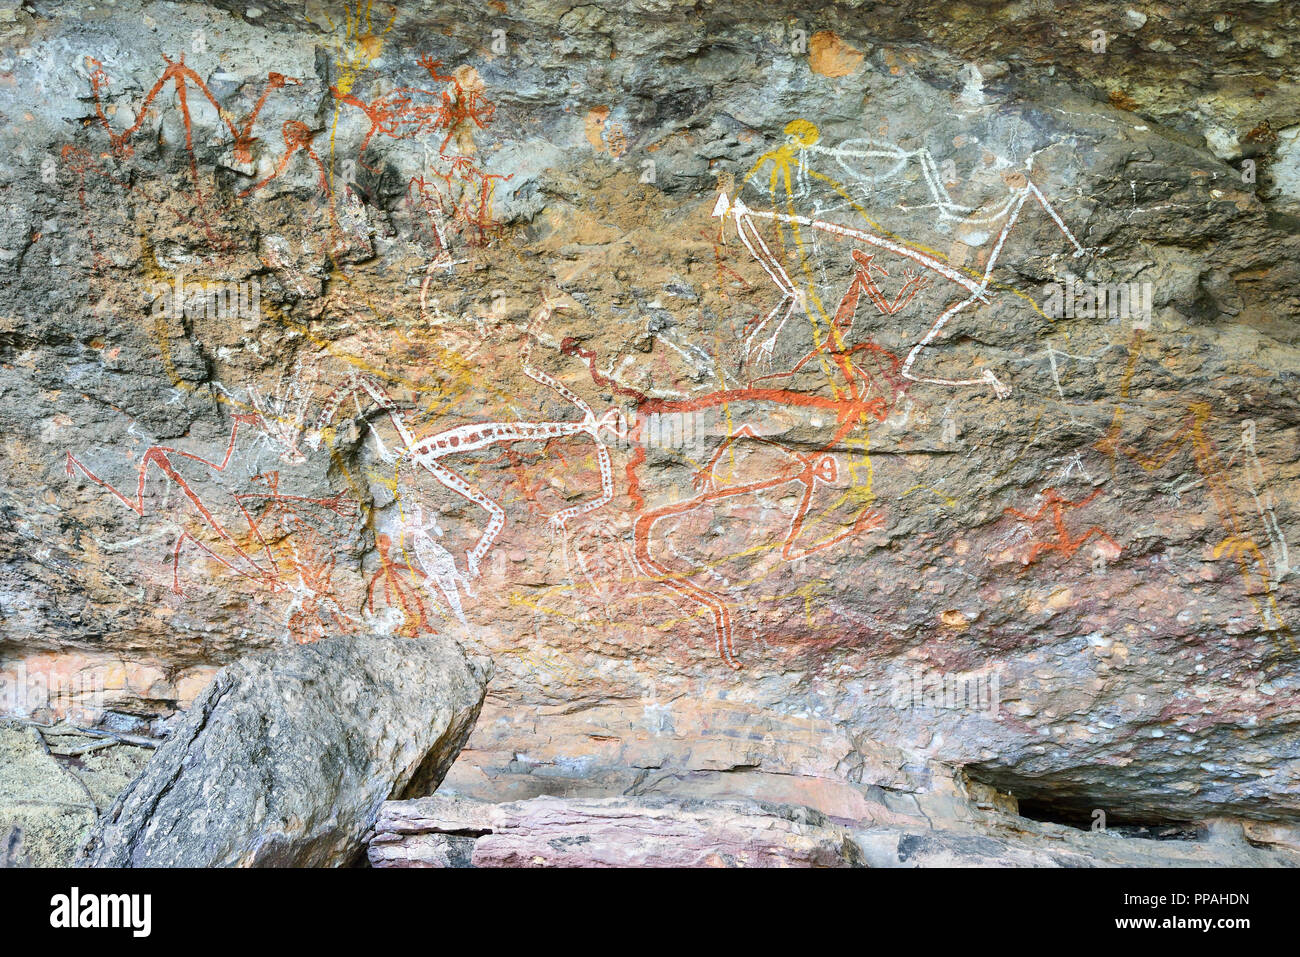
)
(855, 432)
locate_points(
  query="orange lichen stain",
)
(952, 618)
(1122, 101)
(831, 56)
(594, 126)
(1060, 599)
(604, 137)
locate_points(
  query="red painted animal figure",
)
(851, 407)
(805, 470)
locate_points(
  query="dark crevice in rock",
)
(1078, 815)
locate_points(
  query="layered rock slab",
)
(444, 831)
(606, 832)
(287, 756)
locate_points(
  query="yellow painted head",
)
(802, 132)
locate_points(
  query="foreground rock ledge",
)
(942, 828)
(606, 832)
(287, 756)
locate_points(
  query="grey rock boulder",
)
(286, 758)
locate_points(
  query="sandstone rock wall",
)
(735, 378)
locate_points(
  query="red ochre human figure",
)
(167, 460)
(399, 115)
(398, 591)
(1065, 544)
(297, 136)
(888, 366)
(863, 281)
(182, 77)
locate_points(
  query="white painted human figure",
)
(855, 157)
(978, 289)
(436, 562)
(1263, 499)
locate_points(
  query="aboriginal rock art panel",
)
(416, 485)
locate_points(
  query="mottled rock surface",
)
(285, 759)
(708, 366)
(43, 809)
(54, 783)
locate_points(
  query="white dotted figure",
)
(428, 453)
